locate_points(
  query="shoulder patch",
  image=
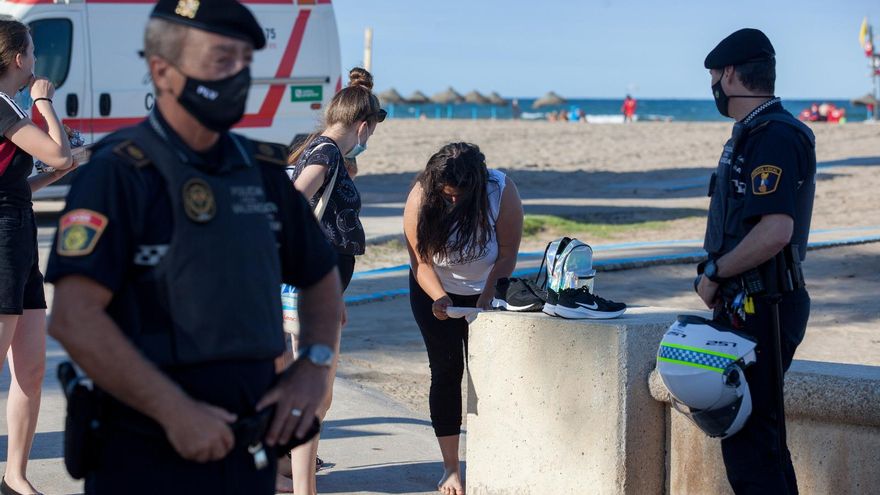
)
(271, 153)
(79, 231)
(765, 179)
(132, 153)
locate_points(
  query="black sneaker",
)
(580, 303)
(516, 294)
(552, 301)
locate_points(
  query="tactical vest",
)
(726, 225)
(218, 281)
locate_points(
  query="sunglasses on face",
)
(380, 115)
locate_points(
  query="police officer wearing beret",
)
(167, 270)
(756, 236)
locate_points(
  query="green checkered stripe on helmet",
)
(694, 357)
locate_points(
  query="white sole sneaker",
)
(586, 314)
(549, 309)
(502, 304)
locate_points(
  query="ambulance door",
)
(60, 41)
(122, 91)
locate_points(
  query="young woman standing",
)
(22, 302)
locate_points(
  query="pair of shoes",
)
(6, 490)
(580, 304)
(517, 294)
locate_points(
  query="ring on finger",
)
(296, 412)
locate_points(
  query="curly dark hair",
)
(460, 231)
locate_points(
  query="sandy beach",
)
(621, 175)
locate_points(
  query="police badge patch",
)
(198, 201)
(79, 231)
(765, 179)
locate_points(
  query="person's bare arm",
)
(198, 431)
(508, 230)
(763, 242)
(40, 181)
(423, 270)
(303, 385)
(310, 180)
(53, 148)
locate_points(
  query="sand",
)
(623, 175)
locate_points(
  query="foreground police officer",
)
(167, 270)
(756, 236)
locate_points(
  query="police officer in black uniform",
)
(756, 236)
(167, 270)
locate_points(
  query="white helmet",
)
(701, 364)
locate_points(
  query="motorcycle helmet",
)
(702, 364)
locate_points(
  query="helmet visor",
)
(714, 422)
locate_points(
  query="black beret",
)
(745, 45)
(225, 17)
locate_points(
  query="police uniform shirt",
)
(771, 174)
(127, 218)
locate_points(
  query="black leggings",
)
(446, 342)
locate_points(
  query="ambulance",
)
(90, 50)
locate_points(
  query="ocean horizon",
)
(601, 110)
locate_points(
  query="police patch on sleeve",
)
(79, 231)
(765, 179)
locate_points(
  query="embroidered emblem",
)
(79, 231)
(765, 179)
(187, 8)
(132, 153)
(198, 201)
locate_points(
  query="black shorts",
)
(21, 283)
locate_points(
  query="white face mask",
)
(357, 149)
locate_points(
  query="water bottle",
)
(288, 309)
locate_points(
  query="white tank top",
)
(469, 278)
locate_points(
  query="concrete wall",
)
(833, 418)
(564, 407)
(561, 406)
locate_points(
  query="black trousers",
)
(446, 342)
(752, 455)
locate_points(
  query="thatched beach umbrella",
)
(864, 101)
(475, 97)
(390, 96)
(496, 99)
(551, 99)
(447, 97)
(418, 98)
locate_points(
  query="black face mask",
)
(218, 105)
(722, 99)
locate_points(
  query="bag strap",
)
(321, 205)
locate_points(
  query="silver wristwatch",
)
(318, 354)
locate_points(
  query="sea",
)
(601, 110)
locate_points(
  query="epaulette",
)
(132, 153)
(760, 127)
(273, 153)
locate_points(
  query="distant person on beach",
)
(515, 111)
(463, 226)
(628, 108)
(756, 237)
(321, 168)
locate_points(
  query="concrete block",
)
(833, 421)
(563, 407)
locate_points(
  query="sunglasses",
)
(380, 115)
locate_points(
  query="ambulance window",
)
(53, 39)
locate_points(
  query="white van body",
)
(90, 50)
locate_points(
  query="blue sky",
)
(601, 48)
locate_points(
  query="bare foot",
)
(283, 484)
(450, 483)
